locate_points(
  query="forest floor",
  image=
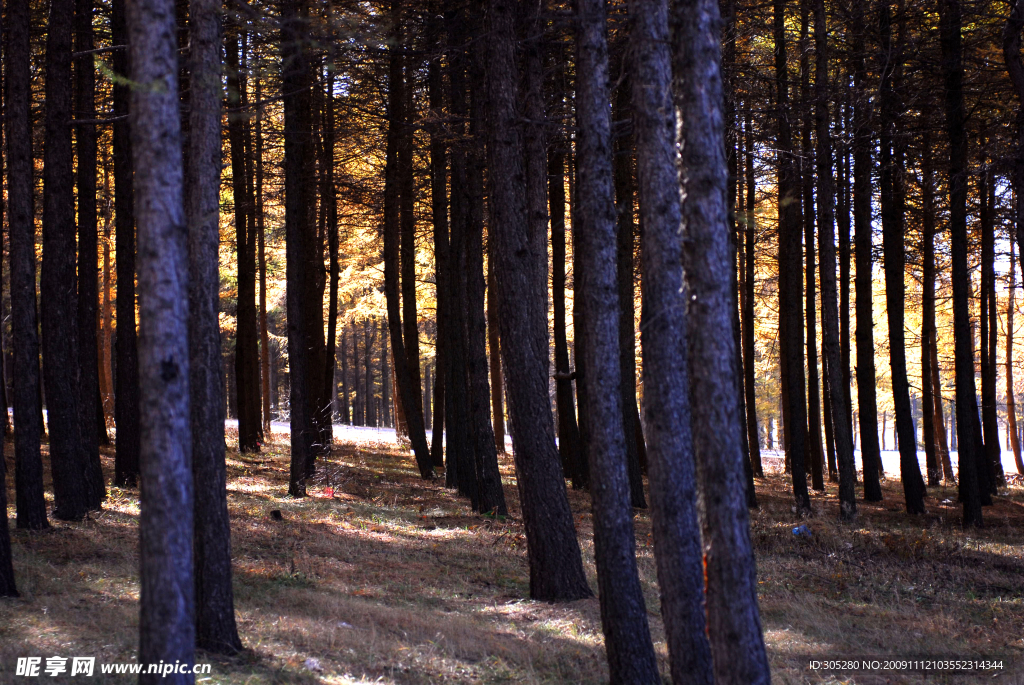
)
(379, 576)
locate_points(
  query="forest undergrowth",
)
(379, 576)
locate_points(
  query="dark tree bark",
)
(439, 217)
(750, 233)
(88, 254)
(298, 188)
(835, 397)
(247, 382)
(862, 229)
(28, 465)
(568, 431)
(970, 462)
(407, 220)
(494, 356)
(330, 198)
(8, 588)
(843, 229)
(665, 375)
(627, 635)
(928, 310)
(166, 628)
(556, 568)
(893, 205)
(989, 316)
(262, 257)
(215, 614)
(791, 324)
(406, 377)
(126, 381)
(734, 624)
(625, 229)
(59, 298)
(344, 406)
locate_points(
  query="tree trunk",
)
(28, 465)
(166, 627)
(403, 100)
(88, 246)
(665, 374)
(406, 377)
(330, 197)
(1011, 405)
(940, 423)
(989, 317)
(627, 635)
(215, 613)
(8, 588)
(568, 431)
(556, 568)
(261, 237)
(750, 235)
(439, 215)
(58, 294)
(494, 356)
(734, 624)
(826, 246)
(867, 406)
(966, 399)
(928, 310)
(843, 228)
(791, 325)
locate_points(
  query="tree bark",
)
(215, 614)
(407, 223)
(989, 410)
(734, 624)
(826, 247)
(966, 399)
(126, 380)
(862, 230)
(665, 375)
(928, 311)
(58, 294)
(166, 628)
(627, 635)
(439, 216)
(556, 568)
(28, 465)
(494, 355)
(791, 325)
(750, 235)
(330, 197)
(88, 252)
(261, 236)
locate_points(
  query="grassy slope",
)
(380, 577)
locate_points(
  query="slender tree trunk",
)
(106, 318)
(494, 355)
(215, 613)
(166, 628)
(826, 246)
(404, 114)
(298, 150)
(28, 465)
(862, 231)
(406, 377)
(750, 235)
(556, 568)
(8, 588)
(1011, 405)
(344, 405)
(843, 228)
(330, 197)
(59, 298)
(439, 215)
(568, 431)
(966, 399)
(940, 423)
(791, 337)
(627, 636)
(665, 374)
(88, 245)
(261, 238)
(734, 624)
(989, 410)
(928, 310)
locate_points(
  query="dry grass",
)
(380, 577)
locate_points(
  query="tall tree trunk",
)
(966, 399)
(750, 235)
(247, 383)
(989, 317)
(403, 100)
(261, 237)
(556, 568)
(215, 613)
(90, 407)
(298, 150)
(59, 298)
(791, 325)
(624, 189)
(1011, 404)
(344, 405)
(8, 587)
(867, 406)
(816, 452)
(627, 635)
(665, 374)
(568, 431)
(106, 316)
(166, 628)
(928, 310)
(940, 423)
(439, 216)
(494, 355)
(843, 228)
(734, 624)
(28, 465)
(826, 246)
(406, 377)
(330, 197)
